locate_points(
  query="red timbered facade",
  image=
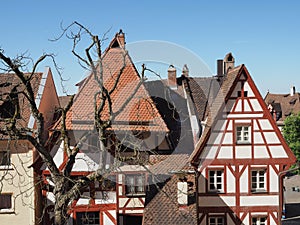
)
(239, 157)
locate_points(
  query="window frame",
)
(135, 185)
(242, 133)
(8, 160)
(258, 189)
(215, 182)
(259, 222)
(216, 217)
(7, 210)
(88, 212)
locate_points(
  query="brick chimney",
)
(228, 62)
(121, 38)
(293, 91)
(185, 71)
(172, 77)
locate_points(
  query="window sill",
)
(216, 192)
(135, 195)
(243, 143)
(6, 168)
(7, 211)
(260, 191)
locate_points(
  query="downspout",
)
(280, 176)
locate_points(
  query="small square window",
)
(259, 220)
(216, 221)
(135, 184)
(5, 202)
(243, 134)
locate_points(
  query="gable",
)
(243, 108)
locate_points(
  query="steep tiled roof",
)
(217, 105)
(284, 104)
(64, 100)
(167, 164)
(10, 87)
(164, 208)
(139, 113)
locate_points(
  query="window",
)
(259, 220)
(258, 178)
(5, 202)
(215, 180)
(135, 184)
(243, 134)
(87, 218)
(216, 221)
(4, 158)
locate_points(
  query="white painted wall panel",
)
(261, 152)
(211, 201)
(107, 220)
(273, 180)
(238, 107)
(243, 152)
(244, 182)
(225, 152)
(228, 138)
(260, 200)
(265, 124)
(246, 106)
(258, 139)
(278, 152)
(271, 138)
(249, 89)
(230, 181)
(255, 105)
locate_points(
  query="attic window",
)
(115, 44)
(230, 58)
(245, 93)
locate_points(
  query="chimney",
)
(185, 71)
(182, 193)
(172, 77)
(293, 91)
(228, 63)
(121, 38)
(220, 70)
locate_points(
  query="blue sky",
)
(264, 35)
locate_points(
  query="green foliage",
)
(291, 133)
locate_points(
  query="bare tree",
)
(67, 188)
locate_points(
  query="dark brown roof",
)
(284, 104)
(164, 208)
(218, 104)
(168, 164)
(10, 90)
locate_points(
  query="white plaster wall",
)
(107, 220)
(244, 181)
(261, 152)
(271, 138)
(214, 201)
(273, 180)
(225, 152)
(278, 151)
(258, 137)
(248, 88)
(261, 200)
(255, 105)
(228, 138)
(230, 181)
(265, 124)
(243, 152)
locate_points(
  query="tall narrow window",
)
(258, 180)
(243, 134)
(215, 183)
(4, 158)
(259, 220)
